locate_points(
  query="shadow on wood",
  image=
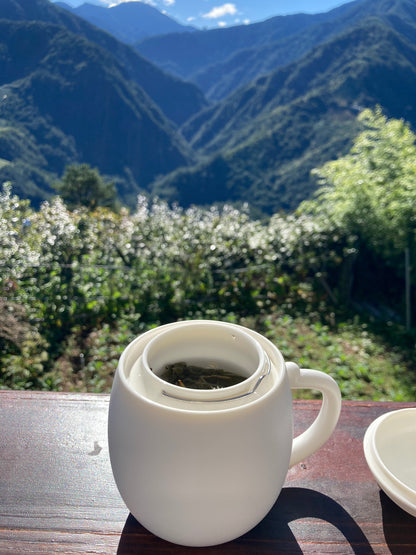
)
(279, 527)
(399, 527)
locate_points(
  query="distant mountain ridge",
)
(148, 76)
(129, 22)
(262, 141)
(72, 93)
(221, 60)
(261, 48)
(69, 88)
(284, 99)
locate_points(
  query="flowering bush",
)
(78, 285)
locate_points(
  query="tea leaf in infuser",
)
(198, 377)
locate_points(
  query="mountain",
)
(221, 60)
(129, 22)
(260, 143)
(71, 93)
(66, 100)
(176, 98)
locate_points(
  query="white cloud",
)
(222, 24)
(112, 3)
(190, 18)
(169, 2)
(220, 11)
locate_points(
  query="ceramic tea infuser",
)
(200, 467)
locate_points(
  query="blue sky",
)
(217, 13)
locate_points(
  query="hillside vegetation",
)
(70, 93)
(261, 143)
(222, 60)
(326, 284)
(262, 106)
(66, 88)
(78, 287)
(281, 203)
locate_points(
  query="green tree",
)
(82, 185)
(371, 191)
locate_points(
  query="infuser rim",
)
(267, 365)
(135, 349)
(238, 390)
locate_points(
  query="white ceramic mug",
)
(202, 467)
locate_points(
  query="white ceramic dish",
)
(390, 451)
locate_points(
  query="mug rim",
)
(207, 395)
(132, 353)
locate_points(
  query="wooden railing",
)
(57, 493)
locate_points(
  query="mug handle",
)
(324, 424)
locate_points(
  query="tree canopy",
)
(82, 185)
(372, 190)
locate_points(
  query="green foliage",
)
(371, 191)
(82, 185)
(270, 133)
(357, 358)
(79, 285)
(78, 281)
(50, 73)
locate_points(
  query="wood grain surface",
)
(57, 493)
